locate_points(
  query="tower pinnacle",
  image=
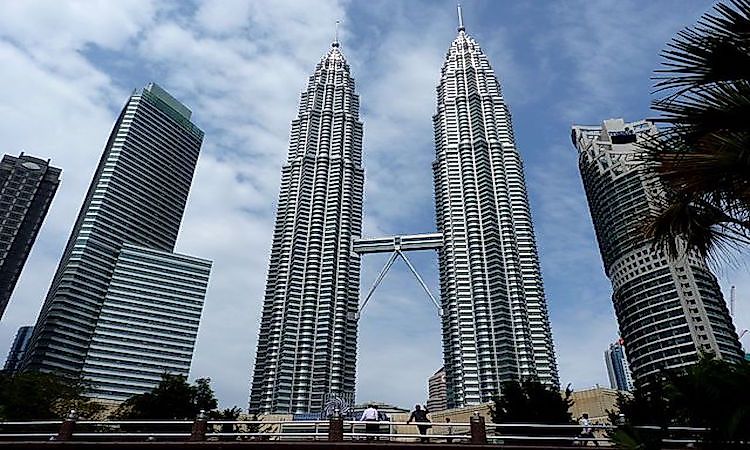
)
(336, 35)
(460, 18)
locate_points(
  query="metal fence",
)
(336, 429)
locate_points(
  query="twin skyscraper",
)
(494, 313)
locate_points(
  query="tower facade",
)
(27, 186)
(109, 309)
(18, 349)
(436, 396)
(308, 332)
(668, 311)
(495, 322)
(618, 368)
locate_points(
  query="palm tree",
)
(702, 153)
(712, 394)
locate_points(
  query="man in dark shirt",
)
(419, 415)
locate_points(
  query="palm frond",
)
(686, 224)
(714, 51)
(715, 167)
(722, 106)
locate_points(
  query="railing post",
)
(336, 427)
(478, 430)
(67, 427)
(200, 426)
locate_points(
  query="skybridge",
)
(397, 246)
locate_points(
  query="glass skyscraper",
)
(668, 311)
(123, 308)
(618, 368)
(495, 323)
(307, 343)
(18, 349)
(27, 186)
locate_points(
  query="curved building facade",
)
(308, 332)
(495, 323)
(668, 311)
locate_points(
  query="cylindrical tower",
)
(668, 311)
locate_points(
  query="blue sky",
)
(68, 67)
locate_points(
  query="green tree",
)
(227, 414)
(174, 398)
(702, 153)
(529, 401)
(204, 395)
(713, 394)
(38, 396)
(646, 406)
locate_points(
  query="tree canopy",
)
(530, 401)
(42, 396)
(713, 394)
(173, 398)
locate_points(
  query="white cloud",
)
(73, 25)
(49, 115)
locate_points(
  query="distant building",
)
(18, 349)
(618, 368)
(438, 399)
(382, 407)
(669, 311)
(27, 186)
(148, 322)
(459, 415)
(123, 308)
(595, 402)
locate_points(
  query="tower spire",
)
(460, 18)
(336, 35)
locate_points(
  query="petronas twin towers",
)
(495, 323)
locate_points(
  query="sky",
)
(68, 67)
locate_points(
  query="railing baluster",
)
(478, 430)
(200, 426)
(336, 427)
(67, 427)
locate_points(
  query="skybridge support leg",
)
(422, 283)
(387, 267)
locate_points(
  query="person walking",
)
(383, 417)
(448, 431)
(586, 430)
(370, 414)
(419, 416)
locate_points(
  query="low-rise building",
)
(595, 401)
(438, 396)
